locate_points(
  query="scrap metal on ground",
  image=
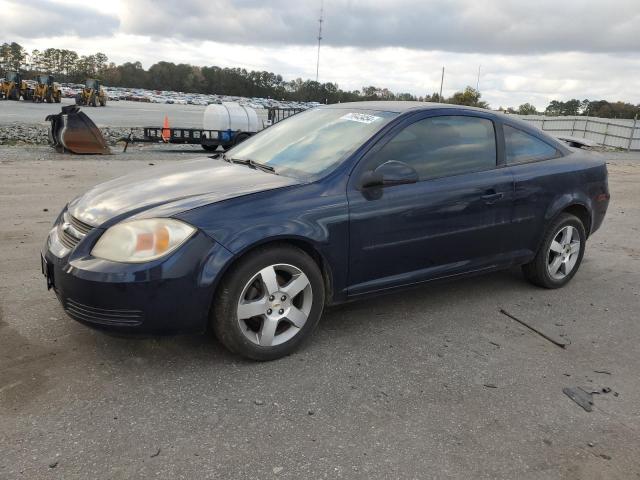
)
(73, 131)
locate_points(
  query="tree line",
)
(587, 108)
(68, 66)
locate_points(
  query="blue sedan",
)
(330, 205)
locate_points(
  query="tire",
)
(539, 270)
(245, 285)
(241, 137)
(210, 148)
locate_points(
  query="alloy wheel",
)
(564, 252)
(274, 305)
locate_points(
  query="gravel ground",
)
(429, 383)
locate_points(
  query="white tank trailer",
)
(223, 126)
(235, 117)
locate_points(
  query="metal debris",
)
(582, 397)
(73, 131)
(543, 335)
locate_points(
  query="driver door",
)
(453, 219)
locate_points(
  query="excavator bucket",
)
(73, 131)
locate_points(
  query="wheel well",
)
(582, 213)
(306, 247)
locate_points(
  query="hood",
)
(171, 189)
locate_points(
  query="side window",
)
(442, 146)
(522, 147)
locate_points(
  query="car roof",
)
(400, 107)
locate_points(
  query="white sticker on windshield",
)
(360, 117)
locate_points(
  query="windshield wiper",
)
(254, 164)
(222, 156)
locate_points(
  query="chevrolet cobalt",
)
(330, 205)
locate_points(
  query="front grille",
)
(79, 225)
(103, 316)
(71, 230)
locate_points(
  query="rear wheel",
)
(269, 303)
(240, 137)
(560, 254)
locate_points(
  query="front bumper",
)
(167, 296)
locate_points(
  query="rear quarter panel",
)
(544, 189)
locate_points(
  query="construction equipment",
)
(92, 94)
(73, 131)
(46, 90)
(14, 87)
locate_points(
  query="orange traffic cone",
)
(166, 133)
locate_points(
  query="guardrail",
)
(611, 132)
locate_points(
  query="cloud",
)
(529, 51)
(44, 19)
(468, 26)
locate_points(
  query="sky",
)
(527, 51)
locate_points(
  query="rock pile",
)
(38, 134)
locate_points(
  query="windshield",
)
(313, 142)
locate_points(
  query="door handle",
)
(491, 198)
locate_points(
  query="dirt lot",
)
(430, 383)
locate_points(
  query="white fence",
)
(611, 132)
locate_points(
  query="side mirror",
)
(388, 174)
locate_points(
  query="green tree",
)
(527, 109)
(470, 97)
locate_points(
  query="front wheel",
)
(560, 254)
(269, 303)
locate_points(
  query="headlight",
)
(140, 241)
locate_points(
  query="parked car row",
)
(114, 94)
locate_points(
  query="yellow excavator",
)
(92, 94)
(13, 87)
(46, 90)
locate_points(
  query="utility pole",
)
(320, 20)
(441, 84)
(478, 82)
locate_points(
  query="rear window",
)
(522, 147)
